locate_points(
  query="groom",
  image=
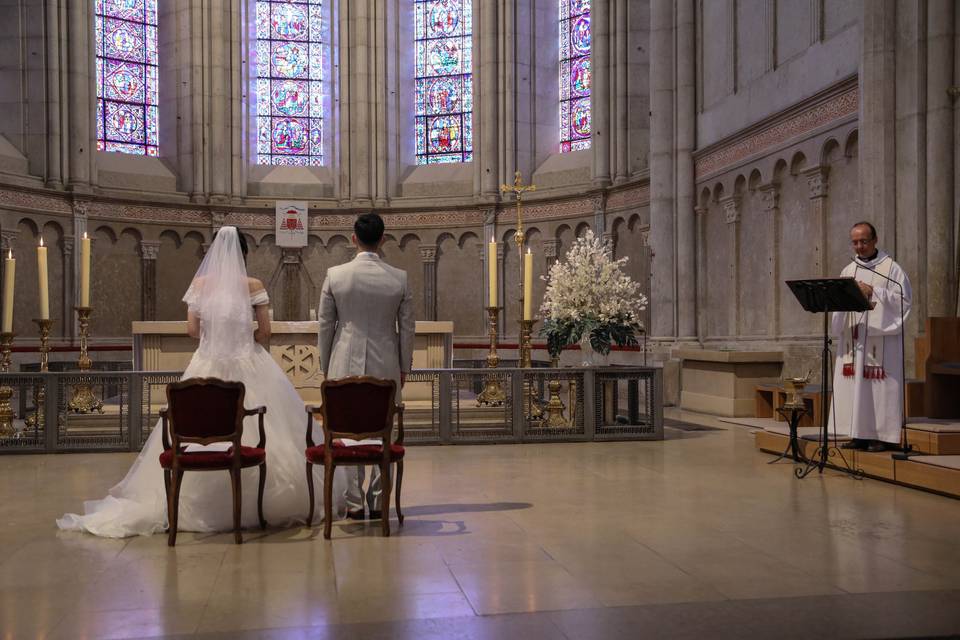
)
(366, 328)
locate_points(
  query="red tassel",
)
(848, 370)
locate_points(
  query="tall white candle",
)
(492, 271)
(9, 269)
(528, 286)
(42, 281)
(85, 271)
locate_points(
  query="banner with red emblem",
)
(291, 223)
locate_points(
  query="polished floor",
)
(695, 536)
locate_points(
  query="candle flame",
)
(9, 254)
(41, 241)
(528, 250)
(84, 235)
(491, 240)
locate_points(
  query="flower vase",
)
(589, 357)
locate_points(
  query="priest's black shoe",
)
(852, 444)
(876, 446)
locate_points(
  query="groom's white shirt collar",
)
(367, 255)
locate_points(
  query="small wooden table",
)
(771, 396)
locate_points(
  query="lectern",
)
(823, 295)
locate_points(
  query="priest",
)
(868, 377)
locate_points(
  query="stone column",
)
(219, 72)
(55, 29)
(381, 131)
(360, 102)
(940, 187)
(507, 81)
(878, 166)
(550, 247)
(291, 261)
(71, 284)
(428, 257)
(663, 293)
(619, 141)
(149, 249)
(600, 92)
(686, 126)
(195, 101)
(770, 201)
(486, 90)
(701, 283)
(731, 215)
(82, 101)
(817, 189)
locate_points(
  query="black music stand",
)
(823, 295)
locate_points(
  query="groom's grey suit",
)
(366, 328)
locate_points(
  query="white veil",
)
(220, 296)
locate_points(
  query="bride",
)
(219, 303)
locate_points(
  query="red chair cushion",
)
(249, 457)
(362, 453)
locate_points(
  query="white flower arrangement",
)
(589, 296)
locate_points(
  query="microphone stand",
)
(905, 454)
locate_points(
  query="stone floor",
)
(695, 536)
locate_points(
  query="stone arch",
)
(170, 235)
(829, 151)
(467, 237)
(755, 179)
(851, 144)
(582, 229)
(798, 163)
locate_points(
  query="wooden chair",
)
(358, 407)
(204, 411)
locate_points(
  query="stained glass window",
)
(574, 74)
(289, 82)
(126, 46)
(444, 82)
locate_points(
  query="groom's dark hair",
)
(368, 229)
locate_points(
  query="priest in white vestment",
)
(868, 377)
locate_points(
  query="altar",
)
(165, 346)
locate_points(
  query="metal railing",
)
(538, 405)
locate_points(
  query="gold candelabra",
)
(492, 393)
(83, 399)
(6, 392)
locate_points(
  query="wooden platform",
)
(937, 473)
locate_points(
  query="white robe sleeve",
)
(884, 319)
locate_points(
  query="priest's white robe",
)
(871, 406)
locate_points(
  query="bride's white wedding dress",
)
(137, 505)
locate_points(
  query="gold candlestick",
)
(44, 324)
(492, 393)
(6, 392)
(83, 399)
(38, 420)
(530, 396)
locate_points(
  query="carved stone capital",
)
(700, 211)
(550, 247)
(645, 237)
(290, 255)
(490, 216)
(599, 202)
(8, 238)
(80, 208)
(769, 196)
(428, 253)
(817, 181)
(731, 209)
(149, 249)
(217, 218)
